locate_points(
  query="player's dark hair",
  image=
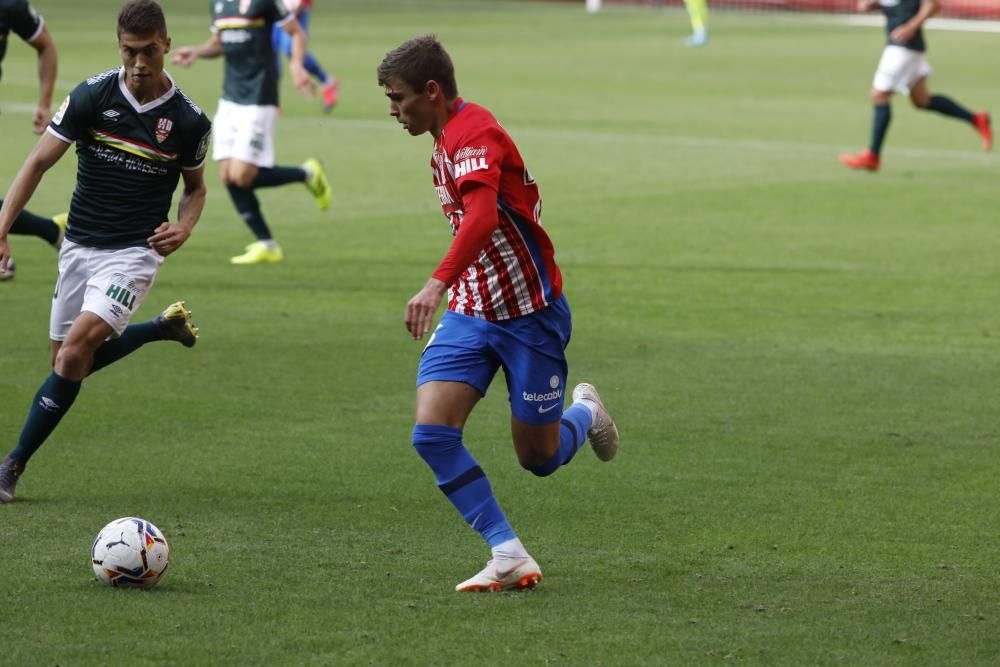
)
(142, 17)
(417, 61)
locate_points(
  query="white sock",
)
(309, 173)
(590, 405)
(271, 244)
(510, 549)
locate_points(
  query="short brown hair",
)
(142, 17)
(417, 61)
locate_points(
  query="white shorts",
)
(244, 132)
(900, 68)
(112, 284)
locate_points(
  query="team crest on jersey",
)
(163, 127)
(244, 6)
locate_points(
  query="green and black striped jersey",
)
(130, 157)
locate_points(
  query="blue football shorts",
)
(530, 349)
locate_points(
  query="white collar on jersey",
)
(142, 108)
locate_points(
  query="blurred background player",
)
(904, 68)
(329, 86)
(21, 18)
(244, 122)
(128, 167)
(698, 13)
(28, 224)
(505, 309)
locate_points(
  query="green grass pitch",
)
(802, 360)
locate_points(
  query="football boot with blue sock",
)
(602, 434)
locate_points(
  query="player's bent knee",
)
(880, 96)
(73, 361)
(240, 179)
(539, 463)
(543, 470)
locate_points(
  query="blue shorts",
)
(531, 350)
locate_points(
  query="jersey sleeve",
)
(279, 13)
(25, 21)
(479, 221)
(75, 115)
(196, 143)
(477, 157)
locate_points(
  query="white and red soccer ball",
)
(130, 552)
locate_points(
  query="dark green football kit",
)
(130, 158)
(244, 28)
(897, 13)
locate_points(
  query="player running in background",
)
(136, 136)
(903, 68)
(244, 122)
(28, 224)
(329, 86)
(505, 309)
(698, 14)
(21, 17)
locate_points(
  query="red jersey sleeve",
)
(479, 222)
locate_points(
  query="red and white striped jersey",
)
(515, 273)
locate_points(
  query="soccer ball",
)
(130, 552)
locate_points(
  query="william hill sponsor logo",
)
(469, 159)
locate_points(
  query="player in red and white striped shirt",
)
(501, 264)
(505, 309)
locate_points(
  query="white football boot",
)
(503, 574)
(602, 434)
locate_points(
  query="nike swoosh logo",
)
(542, 409)
(507, 573)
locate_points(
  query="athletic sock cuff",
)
(430, 433)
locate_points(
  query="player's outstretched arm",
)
(867, 5)
(48, 65)
(186, 55)
(296, 64)
(169, 237)
(46, 153)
